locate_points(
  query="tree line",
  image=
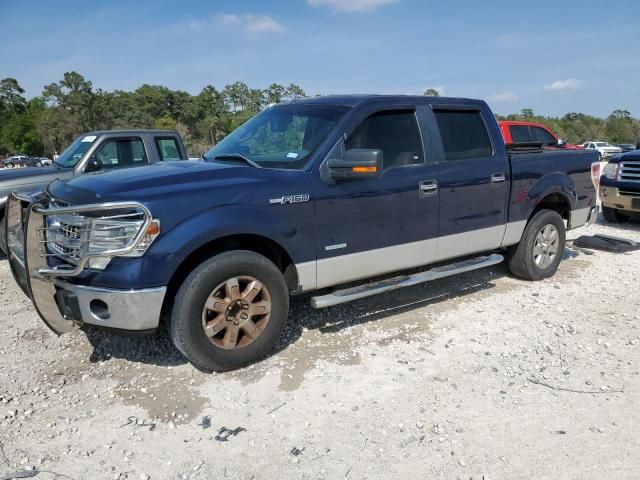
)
(48, 123)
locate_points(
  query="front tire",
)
(229, 311)
(540, 250)
(612, 215)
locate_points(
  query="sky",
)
(552, 56)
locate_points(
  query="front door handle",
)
(498, 178)
(428, 188)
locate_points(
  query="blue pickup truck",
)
(332, 195)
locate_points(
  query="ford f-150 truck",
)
(330, 195)
(103, 150)
(620, 187)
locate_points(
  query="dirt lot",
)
(479, 376)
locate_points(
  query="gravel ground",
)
(478, 376)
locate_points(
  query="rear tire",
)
(9, 165)
(38, 164)
(241, 300)
(540, 250)
(612, 215)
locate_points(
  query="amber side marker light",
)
(154, 228)
(364, 169)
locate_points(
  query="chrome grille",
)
(630, 171)
(66, 235)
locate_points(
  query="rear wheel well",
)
(255, 243)
(556, 202)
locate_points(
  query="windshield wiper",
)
(235, 157)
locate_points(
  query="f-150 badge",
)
(303, 197)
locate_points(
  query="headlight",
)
(101, 235)
(610, 170)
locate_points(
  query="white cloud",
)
(250, 23)
(564, 85)
(503, 97)
(351, 5)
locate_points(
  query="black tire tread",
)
(204, 355)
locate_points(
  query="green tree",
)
(274, 93)
(11, 96)
(293, 91)
(431, 92)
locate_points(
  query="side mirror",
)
(357, 163)
(561, 143)
(93, 165)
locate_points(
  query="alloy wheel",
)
(545, 248)
(236, 312)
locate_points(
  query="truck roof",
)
(132, 131)
(353, 100)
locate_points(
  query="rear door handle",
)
(428, 188)
(498, 178)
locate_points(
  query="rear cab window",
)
(464, 134)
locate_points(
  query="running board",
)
(369, 289)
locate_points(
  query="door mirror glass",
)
(561, 143)
(357, 163)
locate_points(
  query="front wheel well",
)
(255, 243)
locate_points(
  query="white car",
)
(605, 149)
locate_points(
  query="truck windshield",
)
(74, 152)
(283, 136)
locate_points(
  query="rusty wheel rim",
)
(236, 312)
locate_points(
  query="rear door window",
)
(520, 133)
(464, 134)
(168, 149)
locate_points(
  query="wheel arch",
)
(555, 191)
(260, 244)
(556, 201)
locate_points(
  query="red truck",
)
(522, 132)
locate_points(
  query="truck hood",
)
(15, 177)
(633, 155)
(160, 181)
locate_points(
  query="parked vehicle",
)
(620, 187)
(93, 151)
(44, 161)
(626, 147)
(605, 149)
(19, 161)
(305, 197)
(524, 132)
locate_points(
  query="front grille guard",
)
(28, 256)
(39, 212)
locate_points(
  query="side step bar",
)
(369, 289)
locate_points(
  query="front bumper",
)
(620, 199)
(117, 309)
(62, 305)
